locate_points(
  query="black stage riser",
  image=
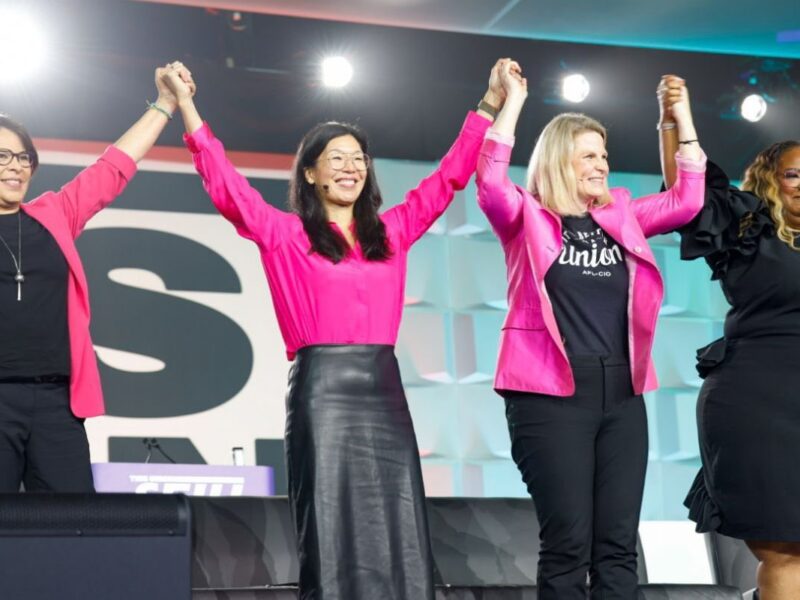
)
(104, 546)
(646, 592)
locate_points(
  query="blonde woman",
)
(583, 292)
(748, 413)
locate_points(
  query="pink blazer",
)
(64, 214)
(532, 357)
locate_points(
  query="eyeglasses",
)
(791, 177)
(338, 160)
(24, 158)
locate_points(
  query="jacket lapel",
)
(617, 220)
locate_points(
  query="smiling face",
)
(14, 178)
(339, 173)
(789, 185)
(590, 164)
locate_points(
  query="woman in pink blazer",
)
(584, 293)
(49, 382)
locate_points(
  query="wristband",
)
(488, 108)
(163, 111)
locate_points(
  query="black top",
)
(759, 273)
(34, 335)
(588, 286)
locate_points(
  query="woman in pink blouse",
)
(584, 293)
(336, 270)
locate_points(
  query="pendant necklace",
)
(18, 277)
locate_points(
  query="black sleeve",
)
(730, 221)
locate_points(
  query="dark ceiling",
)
(410, 92)
(750, 27)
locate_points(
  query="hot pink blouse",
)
(316, 301)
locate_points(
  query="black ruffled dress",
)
(748, 410)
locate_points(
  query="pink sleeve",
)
(498, 197)
(426, 203)
(667, 211)
(95, 187)
(230, 192)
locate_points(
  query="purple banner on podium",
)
(192, 480)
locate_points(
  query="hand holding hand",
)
(174, 84)
(670, 91)
(681, 108)
(511, 79)
(496, 95)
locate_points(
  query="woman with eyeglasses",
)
(748, 410)
(336, 269)
(584, 292)
(49, 381)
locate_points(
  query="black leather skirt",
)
(355, 482)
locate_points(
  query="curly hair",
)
(303, 200)
(761, 178)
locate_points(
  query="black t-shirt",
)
(588, 286)
(34, 334)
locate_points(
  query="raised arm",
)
(142, 135)
(498, 197)
(668, 91)
(684, 170)
(230, 191)
(426, 202)
(676, 130)
(99, 184)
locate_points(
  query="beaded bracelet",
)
(163, 111)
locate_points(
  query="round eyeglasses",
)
(338, 161)
(24, 158)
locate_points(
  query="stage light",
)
(754, 107)
(24, 46)
(575, 88)
(336, 72)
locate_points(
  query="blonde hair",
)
(550, 173)
(761, 178)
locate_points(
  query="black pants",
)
(41, 442)
(583, 459)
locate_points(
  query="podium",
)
(192, 480)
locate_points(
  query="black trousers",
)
(583, 459)
(41, 442)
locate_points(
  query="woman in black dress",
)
(748, 410)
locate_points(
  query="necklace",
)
(18, 277)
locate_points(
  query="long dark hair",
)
(7, 122)
(303, 200)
